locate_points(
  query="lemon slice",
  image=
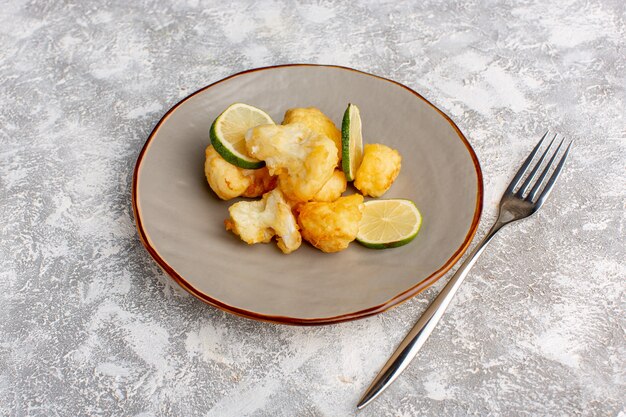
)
(351, 142)
(388, 223)
(228, 134)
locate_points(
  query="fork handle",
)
(423, 328)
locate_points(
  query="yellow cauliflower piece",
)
(225, 179)
(331, 227)
(259, 221)
(303, 160)
(229, 181)
(379, 168)
(333, 188)
(314, 119)
(262, 182)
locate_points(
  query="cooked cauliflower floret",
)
(314, 119)
(229, 181)
(262, 182)
(303, 160)
(331, 227)
(333, 188)
(378, 170)
(259, 221)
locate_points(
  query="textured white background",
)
(90, 326)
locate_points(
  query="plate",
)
(180, 220)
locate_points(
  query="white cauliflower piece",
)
(314, 119)
(259, 221)
(302, 159)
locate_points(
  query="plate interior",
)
(183, 220)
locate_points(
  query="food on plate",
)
(388, 223)
(351, 141)
(229, 181)
(333, 188)
(262, 182)
(302, 159)
(331, 227)
(228, 130)
(295, 168)
(259, 221)
(314, 119)
(378, 170)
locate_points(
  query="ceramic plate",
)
(180, 221)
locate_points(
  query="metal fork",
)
(516, 204)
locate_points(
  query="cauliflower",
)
(314, 119)
(261, 182)
(229, 181)
(378, 170)
(259, 221)
(331, 227)
(303, 160)
(333, 188)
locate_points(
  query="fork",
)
(516, 204)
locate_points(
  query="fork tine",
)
(532, 174)
(537, 186)
(524, 166)
(546, 191)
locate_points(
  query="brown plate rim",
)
(394, 301)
